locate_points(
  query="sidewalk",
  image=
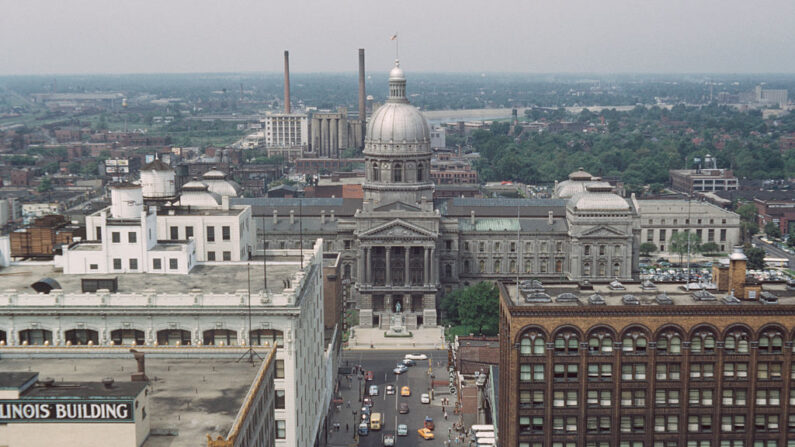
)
(373, 338)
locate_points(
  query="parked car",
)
(404, 408)
(364, 429)
(417, 356)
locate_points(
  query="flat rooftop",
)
(189, 398)
(647, 298)
(210, 278)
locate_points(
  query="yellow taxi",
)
(405, 391)
(425, 433)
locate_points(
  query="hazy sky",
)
(602, 36)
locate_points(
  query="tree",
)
(710, 247)
(772, 230)
(756, 258)
(791, 238)
(475, 307)
(748, 225)
(44, 185)
(647, 248)
(684, 241)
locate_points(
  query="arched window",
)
(127, 337)
(397, 172)
(669, 343)
(496, 266)
(173, 337)
(528, 265)
(736, 341)
(81, 336)
(600, 341)
(3, 339)
(466, 266)
(482, 266)
(602, 269)
(616, 269)
(586, 269)
(770, 342)
(512, 266)
(267, 337)
(376, 173)
(567, 343)
(420, 172)
(558, 266)
(587, 250)
(448, 271)
(634, 342)
(35, 337)
(702, 342)
(347, 272)
(532, 343)
(220, 337)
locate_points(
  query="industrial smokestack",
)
(286, 81)
(362, 93)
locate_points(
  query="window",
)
(157, 264)
(531, 373)
(698, 397)
(567, 424)
(734, 423)
(601, 250)
(93, 266)
(226, 233)
(669, 343)
(173, 263)
(633, 371)
(699, 424)
(420, 172)
(633, 424)
(532, 343)
(99, 233)
(633, 398)
(668, 371)
(587, 250)
(770, 342)
(791, 423)
(768, 371)
(559, 247)
(597, 424)
(734, 397)
(650, 236)
(115, 237)
(634, 343)
(116, 263)
(723, 235)
(529, 424)
(132, 237)
(599, 398)
(702, 342)
(566, 372)
(702, 371)
(564, 399)
(133, 264)
(662, 236)
(735, 371)
(666, 398)
(174, 230)
(281, 429)
(600, 372)
(567, 343)
(211, 256)
(771, 397)
(227, 256)
(279, 401)
(448, 245)
(497, 246)
(376, 173)
(481, 247)
(663, 424)
(600, 342)
(736, 342)
(397, 172)
(766, 422)
(279, 372)
(497, 266)
(531, 399)
(210, 234)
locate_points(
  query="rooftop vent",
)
(108, 382)
(703, 295)
(663, 299)
(47, 381)
(567, 298)
(616, 285)
(597, 300)
(630, 300)
(648, 285)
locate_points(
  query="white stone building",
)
(168, 313)
(286, 130)
(661, 219)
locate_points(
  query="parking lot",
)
(382, 363)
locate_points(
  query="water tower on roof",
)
(159, 182)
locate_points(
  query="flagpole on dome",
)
(395, 38)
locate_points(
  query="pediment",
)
(601, 231)
(397, 229)
(397, 206)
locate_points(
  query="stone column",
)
(434, 272)
(426, 267)
(360, 266)
(333, 139)
(315, 131)
(388, 281)
(387, 305)
(323, 137)
(406, 279)
(368, 265)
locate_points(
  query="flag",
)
(394, 37)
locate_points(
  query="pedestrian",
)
(442, 408)
(349, 404)
(346, 428)
(445, 415)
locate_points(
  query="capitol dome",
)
(575, 184)
(598, 196)
(397, 126)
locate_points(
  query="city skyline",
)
(574, 37)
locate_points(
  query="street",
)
(382, 363)
(775, 252)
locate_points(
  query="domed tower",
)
(397, 151)
(397, 230)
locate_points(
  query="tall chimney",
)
(286, 81)
(362, 93)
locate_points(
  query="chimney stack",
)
(286, 81)
(472, 217)
(322, 216)
(551, 220)
(292, 217)
(275, 217)
(362, 93)
(332, 215)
